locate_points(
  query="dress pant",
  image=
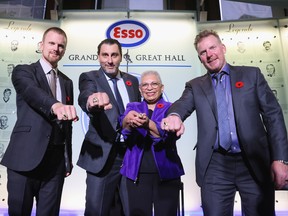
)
(149, 194)
(104, 196)
(227, 174)
(45, 183)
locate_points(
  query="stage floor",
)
(3, 212)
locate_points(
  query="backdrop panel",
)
(169, 50)
(161, 41)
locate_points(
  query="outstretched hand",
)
(173, 123)
(64, 112)
(99, 100)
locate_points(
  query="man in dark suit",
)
(39, 154)
(257, 134)
(103, 148)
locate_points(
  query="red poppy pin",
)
(239, 84)
(68, 99)
(128, 83)
(160, 105)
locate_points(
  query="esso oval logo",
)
(129, 33)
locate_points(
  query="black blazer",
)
(101, 134)
(258, 116)
(31, 133)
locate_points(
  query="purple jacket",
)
(163, 148)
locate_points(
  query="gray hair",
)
(151, 72)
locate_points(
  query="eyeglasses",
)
(153, 85)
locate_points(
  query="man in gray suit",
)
(257, 133)
(103, 148)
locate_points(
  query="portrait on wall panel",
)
(7, 95)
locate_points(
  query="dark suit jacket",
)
(259, 120)
(102, 133)
(31, 133)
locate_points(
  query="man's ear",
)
(199, 59)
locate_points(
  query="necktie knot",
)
(114, 80)
(219, 76)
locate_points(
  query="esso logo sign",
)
(129, 33)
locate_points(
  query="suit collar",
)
(236, 76)
(129, 84)
(208, 89)
(41, 76)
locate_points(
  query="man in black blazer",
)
(258, 146)
(39, 155)
(103, 148)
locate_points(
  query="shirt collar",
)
(226, 69)
(46, 66)
(118, 76)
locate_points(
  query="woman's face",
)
(151, 88)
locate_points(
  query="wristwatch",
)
(283, 161)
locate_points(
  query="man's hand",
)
(99, 100)
(173, 123)
(279, 174)
(64, 112)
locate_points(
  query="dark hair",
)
(110, 41)
(54, 29)
(7, 90)
(204, 34)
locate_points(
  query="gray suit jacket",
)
(259, 120)
(101, 134)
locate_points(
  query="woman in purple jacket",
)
(151, 164)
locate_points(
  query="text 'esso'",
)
(129, 33)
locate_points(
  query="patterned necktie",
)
(118, 96)
(53, 82)
(222, 109)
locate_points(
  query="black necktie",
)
(222, 109)
(118, 96)
(53, 82)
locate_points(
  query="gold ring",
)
(140, 115)
(95, 100)
(165, 124)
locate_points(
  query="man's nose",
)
(209, 53)
(109, 59)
